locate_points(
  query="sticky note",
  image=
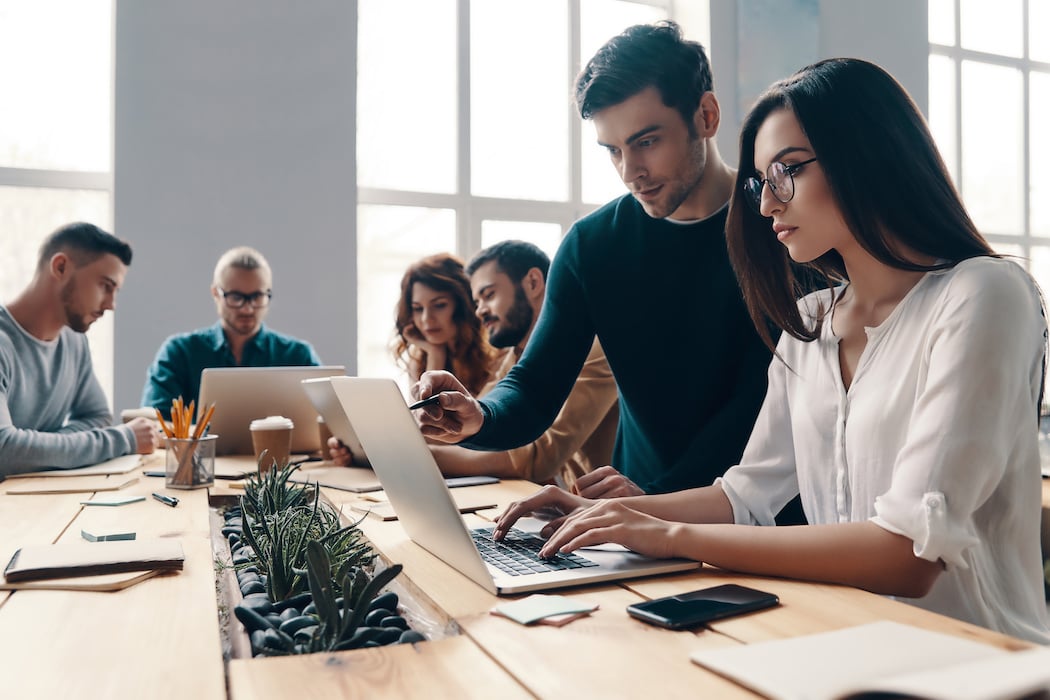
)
(538, 606)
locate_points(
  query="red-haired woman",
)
(436, 325)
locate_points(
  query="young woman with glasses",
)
(903, 399)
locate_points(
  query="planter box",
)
(419, 611)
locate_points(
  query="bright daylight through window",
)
(989, 104)
(55, 169)
(481, 145)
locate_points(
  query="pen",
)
(167, 500)
(429, 401)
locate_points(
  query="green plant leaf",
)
(360, 604)
(320, 569)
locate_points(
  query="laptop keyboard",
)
(518, 553)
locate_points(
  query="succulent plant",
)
(278, 521)
(300, 547)
(271, 492)
(340, 617)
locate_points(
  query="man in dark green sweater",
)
(649, 274)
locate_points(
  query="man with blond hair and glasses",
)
(242, 288)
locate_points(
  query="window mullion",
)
(468, 231)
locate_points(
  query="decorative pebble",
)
(305, 634)
(388, 635)
(255, 586)
(258, 602)
(294, 624)
(364, 634)
(411, 637)
(256, 639)
(387, 601)
(374, 618)
(394, 621)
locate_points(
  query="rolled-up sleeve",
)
(975, 404)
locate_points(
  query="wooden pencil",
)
(163, 425)
(202, 424)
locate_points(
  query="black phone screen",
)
(697, 607)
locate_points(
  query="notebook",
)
(881, 659)
(323, 397)
(83, 559)
(242, 394)
(76, 485)
(425, 508)
(117, 465)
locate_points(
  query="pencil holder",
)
(190, 463)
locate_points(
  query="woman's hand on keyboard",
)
(546, 498)
(612, 521)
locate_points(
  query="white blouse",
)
(935, 439)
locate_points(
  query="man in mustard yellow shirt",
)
(508, 282)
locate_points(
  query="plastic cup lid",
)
(272, 423)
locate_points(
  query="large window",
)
(989, 104)
(471, 136)
(55, 136)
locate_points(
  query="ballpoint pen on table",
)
(166, 500)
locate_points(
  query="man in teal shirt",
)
(241, 288)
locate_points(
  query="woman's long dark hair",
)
(470, 356)
(884, 172)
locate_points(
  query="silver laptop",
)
(417, 491)
(322, 396)
(242, 394)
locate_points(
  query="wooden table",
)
(160, 638)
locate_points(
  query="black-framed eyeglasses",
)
(236, 300)
(781, 181)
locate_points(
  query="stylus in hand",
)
(429, 401)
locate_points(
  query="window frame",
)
(101, 336)
(1025, 240)
(471, 210)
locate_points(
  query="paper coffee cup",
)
(324, 433)
(274, 435)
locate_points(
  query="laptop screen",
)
(242, 394)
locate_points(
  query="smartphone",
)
(686, 610)
(457, 481)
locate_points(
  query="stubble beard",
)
(685, 185)
(74, 320)
(518, 319)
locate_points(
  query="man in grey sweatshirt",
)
(53, 413)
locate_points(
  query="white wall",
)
(234, 125)
(891, 33)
